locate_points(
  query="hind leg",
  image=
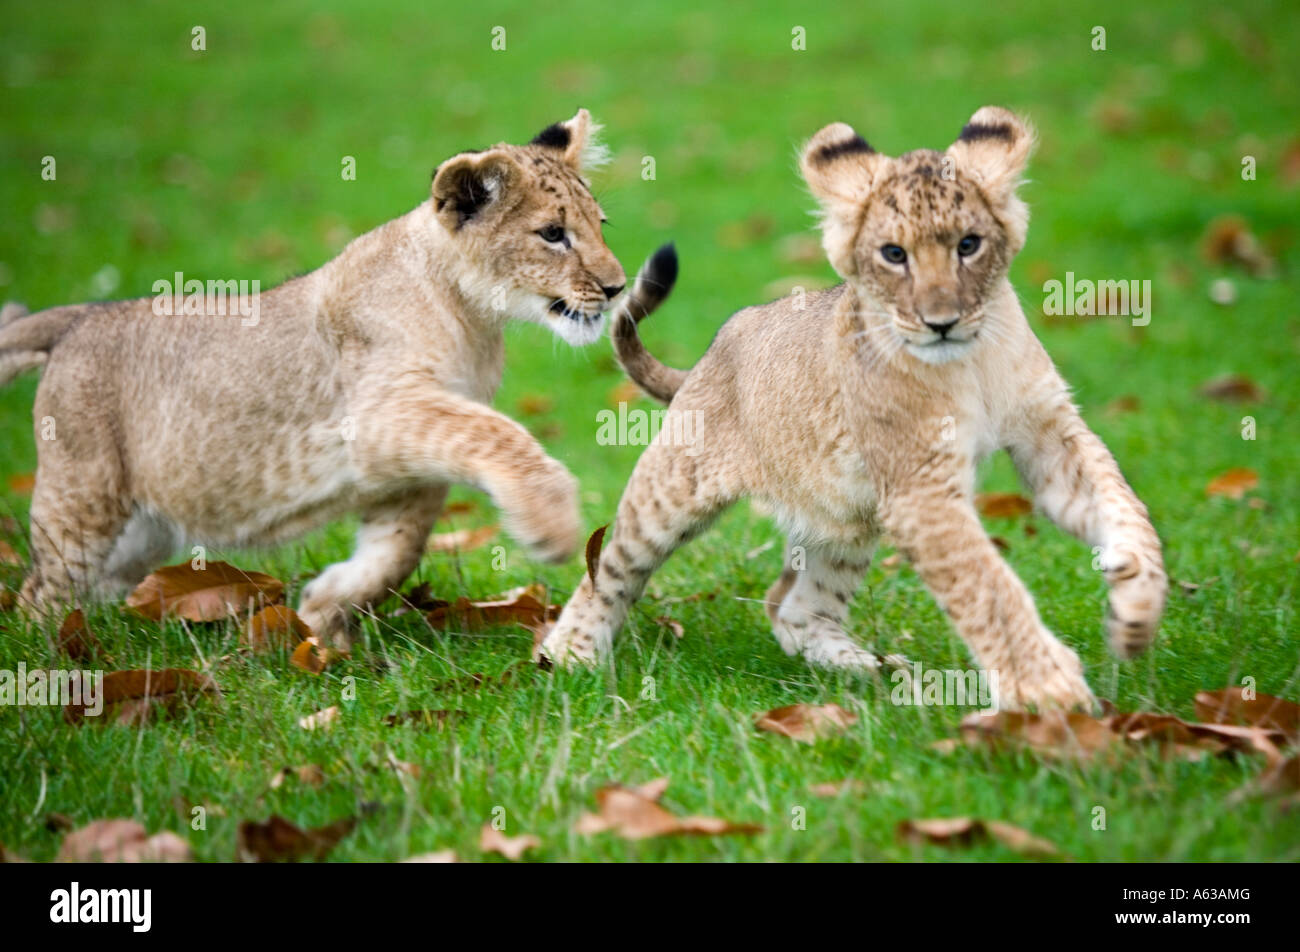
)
(671, 497)
(390, 542)
(75, 521)
(808, 604)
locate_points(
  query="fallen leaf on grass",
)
(524, 606)
(22, 483)
(8, 555)
(594, 543)
(275, 626)
(672, 624)
(634, 813)
(625, 392)
(1191, 588)
(135, 697)
(806, 722)
(77, 641)
(278, 840)
(313, 657)
(310, 774)
(1127, 403)
(321, 720)
(535, 404)
(423, 718)
(218, 591)
(1081, 736)
(1232, 706)
(122, 841)
(461, 540)
(1233, 483)
(492, 840)
(963, 831)
(1232, 388)
(461, 507)
(1003, 505)
(1228, 240)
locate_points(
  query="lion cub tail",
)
(653, 284)
(26, 339)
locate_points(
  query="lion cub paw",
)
(1135, 604)
(546, 521)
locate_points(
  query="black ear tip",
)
(663, 264)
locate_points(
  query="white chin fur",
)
(941, 353)
(578, 332)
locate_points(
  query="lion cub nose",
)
(941, 326)
(612, 292)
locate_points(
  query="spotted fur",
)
(852, 418)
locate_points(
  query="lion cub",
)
(865, 409)
(361, 387)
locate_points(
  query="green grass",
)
(226, 163)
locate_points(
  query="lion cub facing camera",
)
(866, 410)
(361, 387)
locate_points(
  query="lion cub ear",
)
(994, 148)
(469, 185)
(578, 140)
(840, 168)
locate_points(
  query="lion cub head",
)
(528, 229)
(925, 238)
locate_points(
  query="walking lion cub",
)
(362, 386)
(864, 410)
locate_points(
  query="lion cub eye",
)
(894, 254)
(968, 245)
(552, 233)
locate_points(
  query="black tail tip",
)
(661, 269)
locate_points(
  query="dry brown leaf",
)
(806, 722)
(1232, 388)
(135, 697)
(313, 657)
(22, 483)
(672, 624)
(321, 720)
(1232, 706)
(424, 718)
(1228, 240)
(461, 507)
(218, 591)
(491, 840)
(1126, 403)
(635, 814)
(122, 841)
(310, 774)
(1003, 505)
(624, 392)
(1233, 483)
(77, 641)
(278, 840)
(594, 543)
(524, 606)
(275, 626)
(963, 831)
(8, 555)
(535, 404)
(1281, 779)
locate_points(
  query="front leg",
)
(418, 434)
(1077, 483)
(934, 524)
